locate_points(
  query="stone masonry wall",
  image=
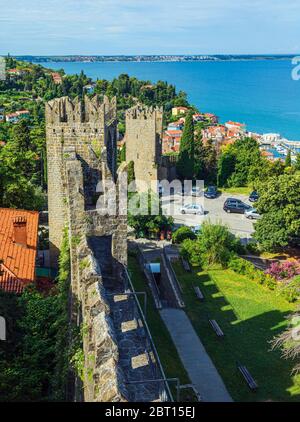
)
(143, 142)
(103, 377)
(104, 380)
(88, 126)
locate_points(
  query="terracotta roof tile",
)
(18, 267)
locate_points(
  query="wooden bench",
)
(216, 328)
(186, 265)
(248, 377)
(199, 294)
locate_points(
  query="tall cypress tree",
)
(199, 164)
(186, 159)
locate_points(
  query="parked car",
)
(252, 214)
(235, 206)
(192, 209)
(253, 196)
(211, 192)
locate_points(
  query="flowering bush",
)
(284, 271)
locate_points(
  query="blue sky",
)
(149, 26)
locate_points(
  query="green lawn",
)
(165, 347)
(245, 190)
(250, 317)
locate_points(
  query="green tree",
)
(199, 155)
(247, 155)
(130, 172)
(145, 223)
(226, 166)
(182, 234)
(213, 247)
(297, 162)
(210, 162)
(186, 158)
(288, 159)
(279, 204)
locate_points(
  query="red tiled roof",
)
(174, 132)
(18, 267)
(235, 123)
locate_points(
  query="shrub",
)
(190, 251)
(213, 246)
(253, 248)
(216, 244)
(243, 267)
(182, 234)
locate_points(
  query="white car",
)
(192, 209)
(252, 214)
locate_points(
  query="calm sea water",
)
(261, 93)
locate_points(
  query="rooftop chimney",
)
(20, 230)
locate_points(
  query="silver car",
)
(252, 214)
(192, 209)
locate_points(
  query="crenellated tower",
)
(144, 127)
(89, 127)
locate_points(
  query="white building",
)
(269, 138)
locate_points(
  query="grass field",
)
(165, 347)
(250, 317)
(245, 190)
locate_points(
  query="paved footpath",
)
(196, 361)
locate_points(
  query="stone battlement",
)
(89, 110)
(144, 112)
(144, 127)
(81, 129)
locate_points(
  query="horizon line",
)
(151, 54)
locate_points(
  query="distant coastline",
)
(152, 58)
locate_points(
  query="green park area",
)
(250, 315)
(167, 352)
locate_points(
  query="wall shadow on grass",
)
(246, 341)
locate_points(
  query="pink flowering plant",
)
(284, 271)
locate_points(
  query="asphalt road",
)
(237, 223)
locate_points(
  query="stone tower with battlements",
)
(117, 346)
(89, 126)
(143, 138)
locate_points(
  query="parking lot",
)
(214, 212)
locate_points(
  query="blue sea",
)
(260, 93)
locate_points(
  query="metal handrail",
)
(161, 380)
(150, 337)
